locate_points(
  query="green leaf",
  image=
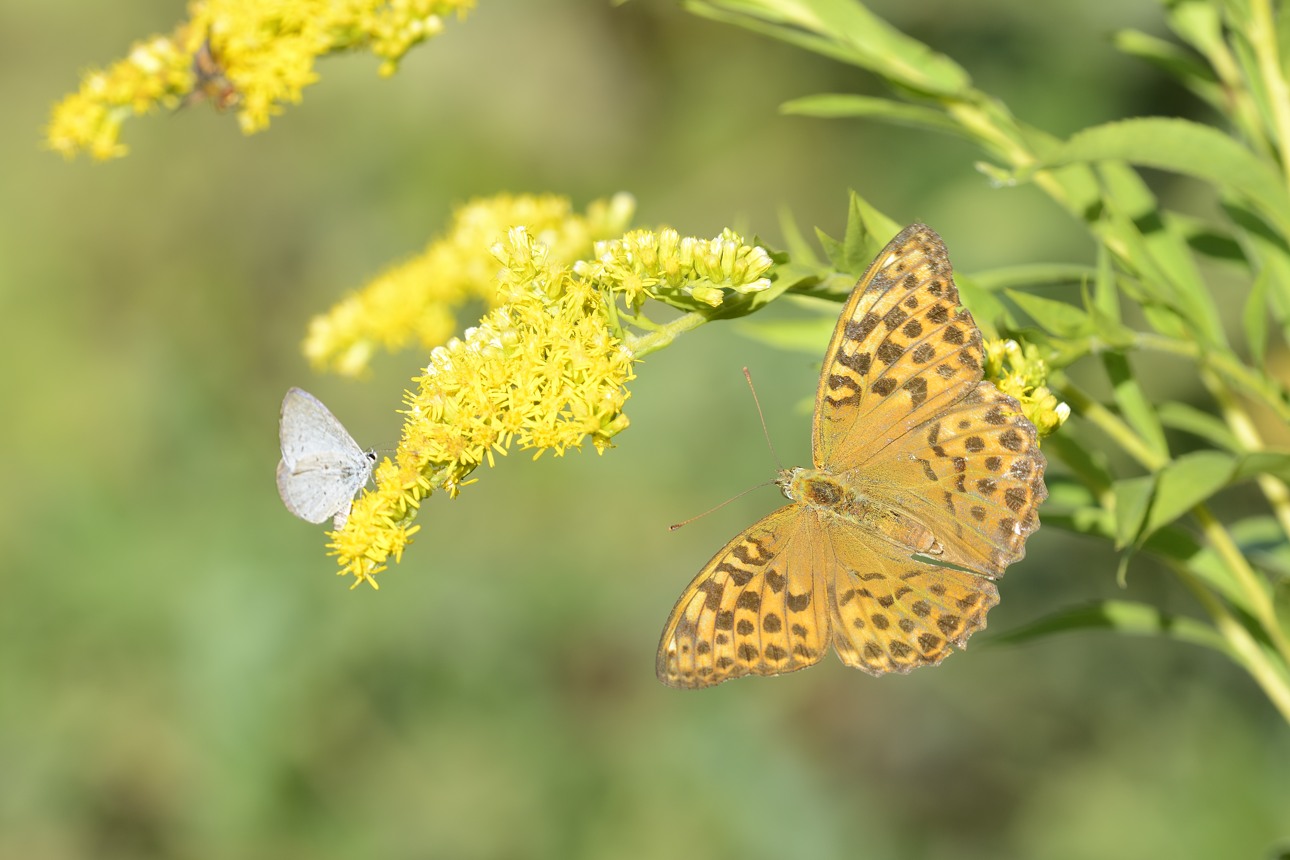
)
(1185, 147)
(1059, 319)
(833, 105)
(1263, 541)
(832, 248)
(1150, 243)
(1087, 464)
(868, 231)
(1132, 501)
(799, 250)
(1177, 546)
(1281, 603)
(1255, 317)
(1122, 616)
(1092, 522)
(1037, 275)
(846, 31)
(1186, 482)
(1199, 24)
(1267, 462)
(1177, 62)
(987, 310)
(1189, 419)
(1133, 402)
(1210, 240)
(1271, 256)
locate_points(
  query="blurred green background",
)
(182, 676)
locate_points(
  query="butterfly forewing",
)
(755, 608)
(903, 350)
(308, 427)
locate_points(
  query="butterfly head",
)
(785, 480)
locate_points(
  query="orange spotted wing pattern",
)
(915, 457)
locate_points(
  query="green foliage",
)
(1141, 470)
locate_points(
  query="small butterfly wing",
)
(756, 608)
(903, 350)
(318, 488)
(308, 427)
(893, 614)
(322, 466)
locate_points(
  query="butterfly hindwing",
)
(892, 613)
(903, 349)
(315, 488)
(755, 608)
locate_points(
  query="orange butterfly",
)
(915, 457)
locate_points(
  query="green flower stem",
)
(643, 345)
(1244, 647)
(983, 124)
(1260, 601)
(1274, 489)
(1108, 422)
(1263, 36)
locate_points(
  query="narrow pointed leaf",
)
(1121, 616)
(1187, 482)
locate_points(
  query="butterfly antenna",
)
(676, 526)
(762, 416)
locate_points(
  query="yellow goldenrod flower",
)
(687, 273)
(257, 54)
(416, 302)
(543, 371)
(1021, 373)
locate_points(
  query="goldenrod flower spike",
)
(256, 54)
(688, 273)
(544, 370)
(1021, 373)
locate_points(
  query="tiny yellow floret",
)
(1021, 373)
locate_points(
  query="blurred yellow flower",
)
(541, 372)
(1021, 373)
(255, 54)
(416, 302)
(544, 370)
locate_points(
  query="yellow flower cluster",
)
(416, 302)
(1021, 373)
(259, 53)
(685, 272)
(542, 371)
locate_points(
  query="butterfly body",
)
(832, 497)
(915, 459)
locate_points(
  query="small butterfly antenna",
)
(676, 526)
(762, 416)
